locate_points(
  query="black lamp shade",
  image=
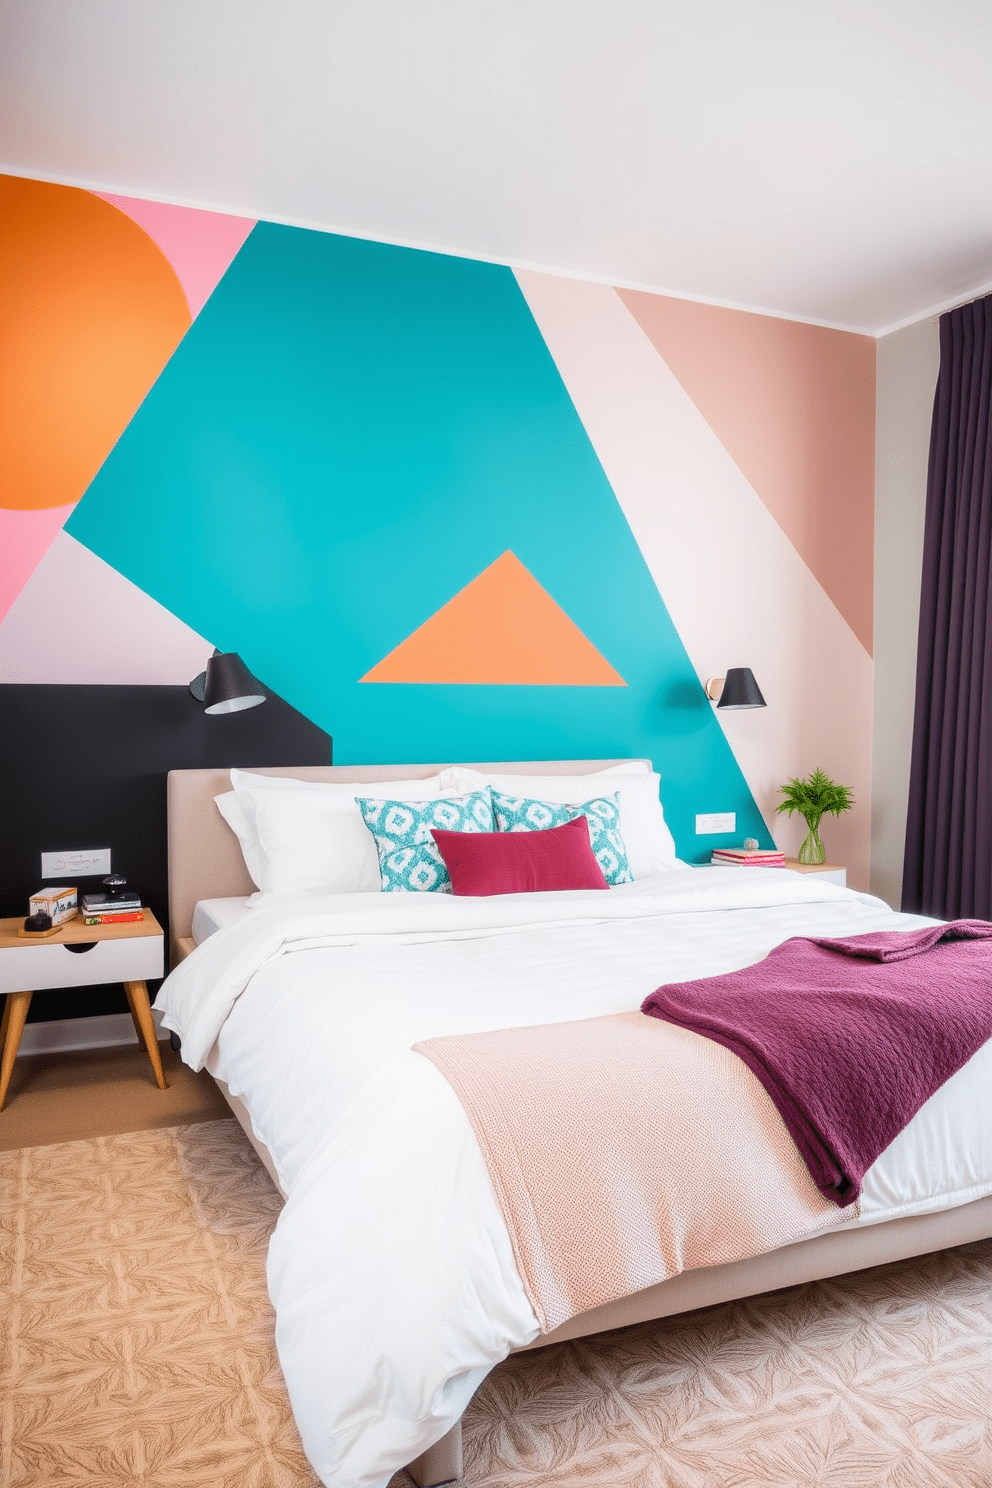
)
(227, 686)
(740, 690)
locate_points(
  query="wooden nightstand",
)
(830, 871)
(129, 953)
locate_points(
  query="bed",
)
(286, 1013)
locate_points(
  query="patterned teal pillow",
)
(517, 814)
(408, 857)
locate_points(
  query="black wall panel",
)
(85, 767)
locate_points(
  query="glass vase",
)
(812, 850)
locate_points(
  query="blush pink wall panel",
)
(794, 405)
(199, 245)
(111, 631)
(24, 537)
(735, 586)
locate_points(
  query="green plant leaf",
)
(814, 796)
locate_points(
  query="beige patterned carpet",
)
(137, 1338)
(136, 1348)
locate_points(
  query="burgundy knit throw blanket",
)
(849, 1037)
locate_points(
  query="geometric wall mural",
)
(95, 295)
(25, 537)
(738, 589)
(91, 313)
(774, 391)
(533, 512)
(101, 628)
(347, 436)
(199, 246)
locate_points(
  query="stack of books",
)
(743, 857)
(111, 909)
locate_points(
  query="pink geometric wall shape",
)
(24, 537)
(728, 572)
(794, 407)
(199, 245)
(77, 620)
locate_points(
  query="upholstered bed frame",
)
(205, 862)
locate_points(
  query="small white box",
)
(59, 903)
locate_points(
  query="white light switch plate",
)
(716, 821)
(83, 864)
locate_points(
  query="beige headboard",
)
(205, 859)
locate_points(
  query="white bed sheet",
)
(211, 915)
(390, 1269)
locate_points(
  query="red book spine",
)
(131, 918)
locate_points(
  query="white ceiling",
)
(829, 160)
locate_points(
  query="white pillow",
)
(246, 780)
(243, 827)
(650, 845)
(308, 837)
(453, 774)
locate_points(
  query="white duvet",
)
(390, 1269)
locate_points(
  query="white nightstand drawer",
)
(36, 967)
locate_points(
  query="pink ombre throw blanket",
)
(849, 1037)
(624, 1150)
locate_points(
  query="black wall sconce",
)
(737, 689)
(227, 686)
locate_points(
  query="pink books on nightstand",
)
(739, 857)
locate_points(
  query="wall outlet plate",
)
(713, 822)
(83, 864)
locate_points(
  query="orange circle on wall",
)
(90, 312)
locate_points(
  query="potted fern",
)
(811, 798)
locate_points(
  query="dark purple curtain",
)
(948, 864)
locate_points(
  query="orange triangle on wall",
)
(501, 629)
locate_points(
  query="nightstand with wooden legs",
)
(79, 955)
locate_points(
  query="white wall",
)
(908, 361)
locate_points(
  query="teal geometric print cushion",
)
(517, 814)
(409, 861)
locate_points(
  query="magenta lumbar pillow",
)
(482, 863)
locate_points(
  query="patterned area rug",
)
(137, 1348)
(880, 1379)
(137, 1331)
